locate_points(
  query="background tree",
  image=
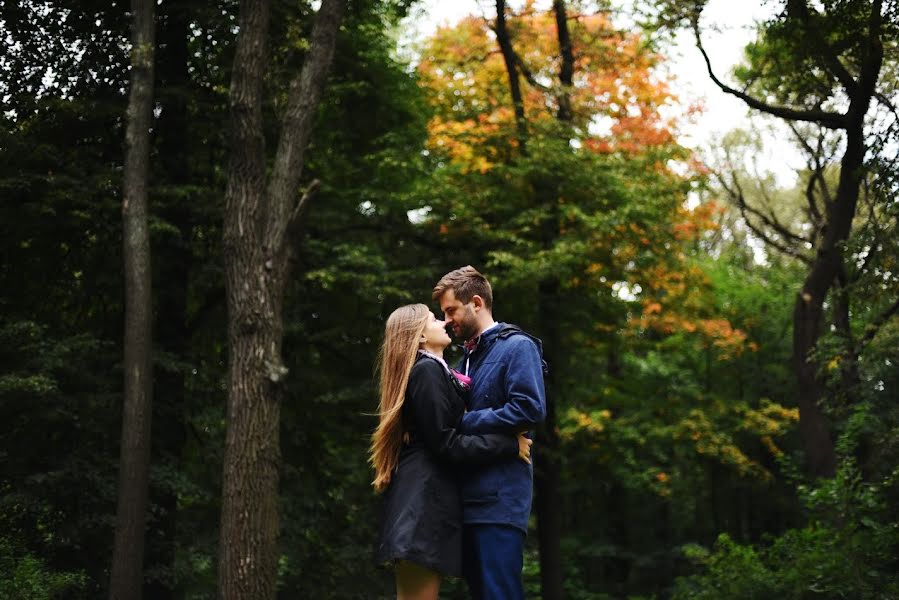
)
(262, 215)
(128, 550)
(820, 65)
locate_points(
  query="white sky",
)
(728, 27)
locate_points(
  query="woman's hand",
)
(524, 448)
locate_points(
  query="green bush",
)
(25, 577)
(849, 549)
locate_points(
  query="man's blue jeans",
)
(492, 559)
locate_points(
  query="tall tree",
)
(819, 65)
(128, 550)
(547, 461)
(262, 215)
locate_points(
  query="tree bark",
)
(566, 52)
(511, 62)
(128, 547)
(259, 216)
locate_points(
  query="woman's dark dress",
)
(422, 519)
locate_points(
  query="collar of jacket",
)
(486, 339)
(503, 330)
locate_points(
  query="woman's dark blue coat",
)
(422, 518)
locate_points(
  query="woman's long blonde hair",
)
(402, 335)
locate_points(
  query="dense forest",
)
(210, 207)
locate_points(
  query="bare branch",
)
(298, 215)
(816, 170)
(736, 194)
(304, 93)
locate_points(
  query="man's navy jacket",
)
(506, 394)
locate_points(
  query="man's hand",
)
(524, 448)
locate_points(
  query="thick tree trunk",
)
(828, 263)
(809, 308)
(258, 221)
(128, 547)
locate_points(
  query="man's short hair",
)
(466, 283)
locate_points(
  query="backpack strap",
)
(508, 330)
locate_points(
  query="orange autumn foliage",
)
(616, 97)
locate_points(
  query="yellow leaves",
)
(593, 422)
(708, 441)
(463, 142)
(770, 419)
(768, 443)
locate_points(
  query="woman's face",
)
(435, 334)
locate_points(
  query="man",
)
(506, 393)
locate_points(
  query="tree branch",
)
(528, 75)
(800, 10)
(874, 326)
(303, 97)
(822, 117)
(298, 216)
(736, 194)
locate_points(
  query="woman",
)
(414, 450)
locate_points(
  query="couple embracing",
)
(450, 452)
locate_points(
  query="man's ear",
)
(478, 302)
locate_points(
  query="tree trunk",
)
(259, 218)
(850, 378)
(547, 467)
(128, 547)
(566, 69)
(825, 270)
(508, 52)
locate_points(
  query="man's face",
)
(460, 317)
